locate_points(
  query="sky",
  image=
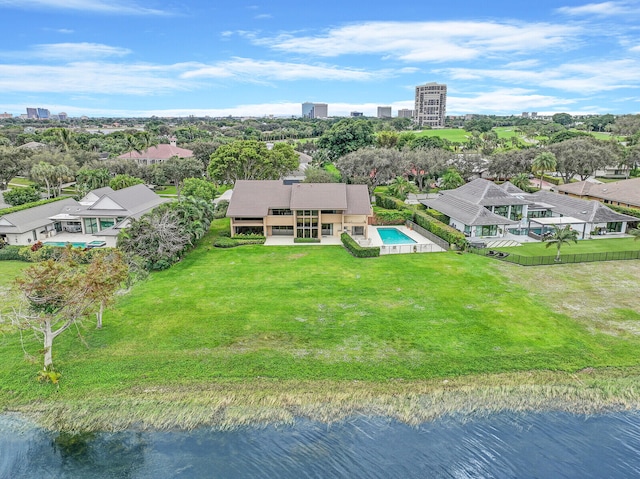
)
(116, 58)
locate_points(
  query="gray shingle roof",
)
(485, 193)
(511, 188)
(36, 217)
(591, 211)
(133, 201)
(466, 212)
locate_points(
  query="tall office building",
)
(32, 113)
(43, 114)
(315, 110)
(384, 112)
(431, 105)
(405, 113)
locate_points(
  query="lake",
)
(505, 445)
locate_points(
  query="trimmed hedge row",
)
(390, 217)
(389, 202)
(437, 215)
(306, 240)
(625, 211)
(554, 180)
(238, 240)
(26, 206)
(440, 229)
(356, 250)
(11, 253)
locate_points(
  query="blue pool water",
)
(394, 236)
(65, 243)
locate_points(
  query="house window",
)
(516, 212)
(106, 223)
(327, 229)
(358, 231)
(281, 212)
(282, 230)
(614, 227)
(487, 230)
(91, 225)
(307, 224)
(501, 210)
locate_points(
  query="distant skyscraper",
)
(32, 113)
(43, 114)
(315, 110)
(405, 113)
(62, 116)
(356, 113)
(384, 112)
(431, 105)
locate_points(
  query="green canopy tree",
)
(119, 182)
(251, 160)
(451, 179)
(561, 236)
(20, 196)
(198, 188)
(347, 136)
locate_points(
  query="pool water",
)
(394, 236)
(62, 244)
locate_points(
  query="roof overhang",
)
(558, 220)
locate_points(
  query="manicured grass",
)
(20, 181)
(461, 135)
(166, 190)
(598, 245)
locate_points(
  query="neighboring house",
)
(612, 172)
(105, 216)
(101, 214)
(157, 154)
(302, 210)
(34, 224)
(622, 193)
(32, 145)
(482, 209)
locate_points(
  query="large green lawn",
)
(599, 245)
(315, 313)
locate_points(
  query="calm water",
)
(545, 445)
(393, 236)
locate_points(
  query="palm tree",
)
(545, 161)
(635, 232)
(561, 236)
(521, 180)
(451, 180)
(400, 187)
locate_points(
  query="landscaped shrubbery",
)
(438, 228)
(306, 240)
(389, 202)
(238, 240)
(437, 215)
(625, 211)
(356, 250)
(221, 209)
(11, 253)
(391, 217)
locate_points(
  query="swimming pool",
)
(390, 236)
(62, 244)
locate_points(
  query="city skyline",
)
(143, 58)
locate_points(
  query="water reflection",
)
(499, 446)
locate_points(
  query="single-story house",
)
(483, 209)
(622, 193)
(301, 210)
(101, 213)
(34, 224)
(157, 154)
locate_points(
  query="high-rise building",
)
(43, 114)
(405, 113)
(384, 112)
(32, 113)
(62, 116)
(356, 113)
(431, 105)
(315, 110)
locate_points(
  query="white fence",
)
(409, 248)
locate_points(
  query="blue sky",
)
(251, 58)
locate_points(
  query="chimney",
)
(173, 140)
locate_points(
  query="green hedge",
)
(306, 240)
(625, 211)
(356, 250)
(554, 180)
(11, 253)
(389, 202)
(26, 206)
(238, 240)
(440, 229)
(437, 215)
(390, 217)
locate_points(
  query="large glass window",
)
(91, 225)
(614, 227)
(487, 230)
(516, 212)
(307, 224)
(327, 229)
(501, 210)
(106, 223)
(281, 212)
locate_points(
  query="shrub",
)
(11, 253)
(389, 203)
(26, 206)
(626, 211)
(221, 210)
(391, 217)
(238, 240)
(306, 240)
(440, 229)
(21, 196)
(356, 250)
(437, 215)
(554, 180)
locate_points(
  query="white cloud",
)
(503, 101)
(427, 41)
(73, 51)
(96, 6)
(252, 70)
(604, 9)
(91, 78)
(635, 49)
(263, 16)
(579, 78)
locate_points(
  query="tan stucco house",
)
(301, 210)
